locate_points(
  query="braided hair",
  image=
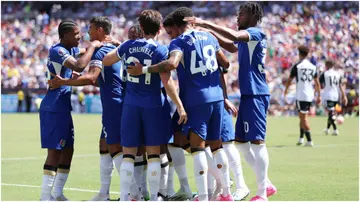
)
(254, 9)
(66, 26)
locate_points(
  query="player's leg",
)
(302, 131)
(170, 183)
(227, 137)
(47, 128)
(131, 139)
(138, 174)
(332, 115)
(305, 107)
(144, 187)
(164, 163)
(65, 158)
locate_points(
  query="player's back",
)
(331, 79)
(305, 73)
(58, 100)
(143, 90)
(199, 77)
(110, 80)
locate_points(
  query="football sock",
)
(222, 164)
(235, 165)
(261, 168)
(126, 176)
(106, 167)
(200, 171)
(60, 180)
(164, 163)
(153, 174)
(49, 173)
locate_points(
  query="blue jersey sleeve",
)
(216, 42)
(96, 59)
(120, 50)
(59, 55)
(75, 52)
(162, 53)
(254, 34)
(175, 45)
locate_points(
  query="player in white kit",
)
(332, 83)
(306, 74)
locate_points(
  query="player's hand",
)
(182, 115)
(55, 82)
(345, 101)
(109, 39)
(318, 100)
(135, 70)
(230, 107)
(75, 75)
(96, 44)
(196, 21)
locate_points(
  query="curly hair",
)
(254, 9)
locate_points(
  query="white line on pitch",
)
(43, 157)
(70, 189)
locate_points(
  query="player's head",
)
(303, 51)
(69, 33)
(99, 27)
(178, 17)
(329, 64)
(250, 14)
(135, 32)
(169, 26)
(150, 22)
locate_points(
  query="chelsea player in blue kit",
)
(199, 82)
(111, 82)
(251, 121)
(145, 121)
(56, 125)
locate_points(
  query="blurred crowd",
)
(330, 29)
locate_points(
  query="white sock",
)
(212, 169)
(222, 163)
(153, 175)
(106, 167)
(177, 154)
(118, 158)
(139, 170)
(144, 187)
(126, 177)
(201, 170)
(164, 162)
(170, 183)
(235, 165)
(60, 180)
(211, 183)
(262, 164)
(47, 185)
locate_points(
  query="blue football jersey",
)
(199, 76)
(58, 100)
(251, 55)
(111, 81)
(143, 90)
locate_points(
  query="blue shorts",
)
(251, 121)
(102, 135)
(56, 130)
(145, 126)
(111, 121)
(205, 120)
(227, 131)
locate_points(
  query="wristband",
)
(145, 69)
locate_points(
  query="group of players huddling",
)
(141, 136)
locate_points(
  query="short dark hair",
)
(329, 63)
(135, 32)
(179, 15)
(303, 50)
(150, 21)
(103, 22)
(66, 26)
(254, 9)
(168, 21)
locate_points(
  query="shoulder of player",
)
(58, 50)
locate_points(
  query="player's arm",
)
(170, 89)
(342, 90)
(322, 80)
(88, 79)
(317, 88)
(224, 43)
(79, 65)
(82, 51)
(293, 74)
(228, 105)
(222, 60)
(164, 66)
(225, 32)
(111, 58)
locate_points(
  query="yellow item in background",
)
(20, 94)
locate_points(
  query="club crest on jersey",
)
(62, 142)
(61, 52)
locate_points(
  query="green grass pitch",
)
(329, 171)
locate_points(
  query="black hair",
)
(150, 21)
(66, 26)
(103, 22)
(303, 50)
(168, 22)
(135, 32)
(253, 9)
(179, 15)
(329, 63)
